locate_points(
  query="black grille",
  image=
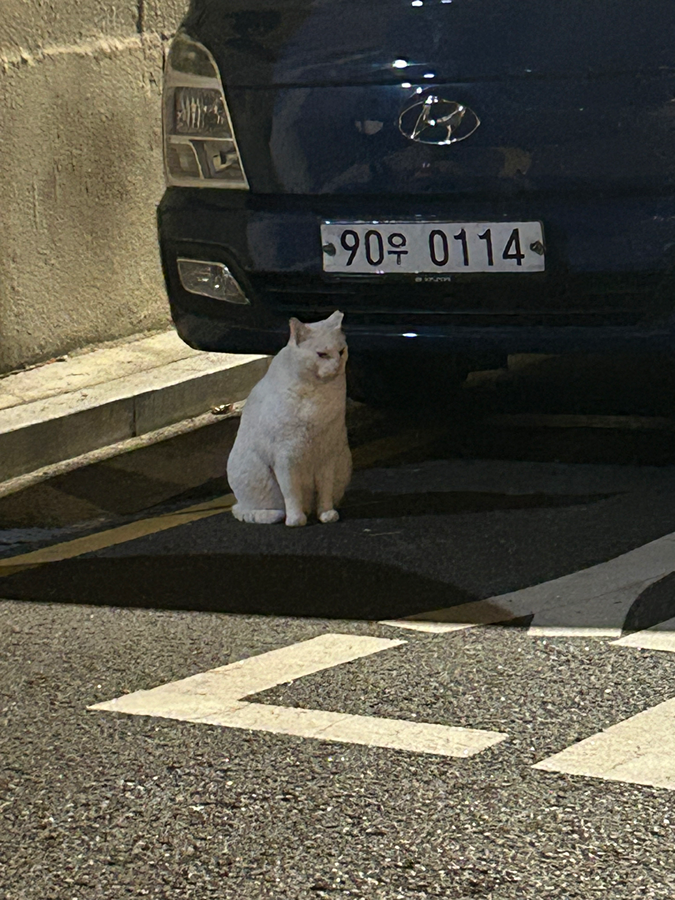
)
(532, 301)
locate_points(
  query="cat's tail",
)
(258, 516)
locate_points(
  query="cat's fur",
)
(291, 455)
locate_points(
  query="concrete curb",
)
(48, 431)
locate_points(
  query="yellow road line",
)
(103, 539)
(367, 455)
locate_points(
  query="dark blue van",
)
(463, 178)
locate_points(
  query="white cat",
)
(291, 454)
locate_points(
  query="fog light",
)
(211, 279)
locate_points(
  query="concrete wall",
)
(80, 172)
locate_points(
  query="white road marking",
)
(597, 615)
(659, 637)
(251, 676)
(454, 618)
(215, 698)
(639, 750)
(592, 601)
(559, 631)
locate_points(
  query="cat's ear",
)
(299, 332)
(335, 320)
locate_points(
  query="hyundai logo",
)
(434, 120)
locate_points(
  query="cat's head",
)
(320, 347)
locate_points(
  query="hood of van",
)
(328, 96)
(313, 42)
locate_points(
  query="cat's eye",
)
(323, 355)
(342, 351)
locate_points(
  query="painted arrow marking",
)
(217, 697)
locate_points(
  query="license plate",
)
(382, 248)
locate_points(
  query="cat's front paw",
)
(296, 520)
(331, 515)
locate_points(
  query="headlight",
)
(200, 149)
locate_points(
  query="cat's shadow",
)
(317, 586)
(322, 587)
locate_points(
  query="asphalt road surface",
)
(463, 689)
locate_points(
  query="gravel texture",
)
(97, 805)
